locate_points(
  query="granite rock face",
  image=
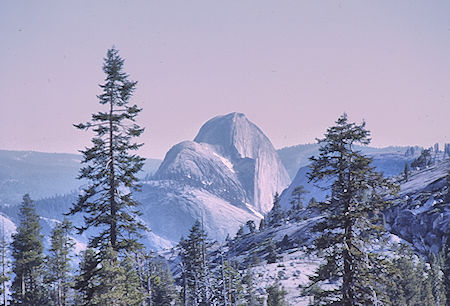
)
(421, 215)
(231, 158)
(225, 177)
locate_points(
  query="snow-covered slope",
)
(225, 177)
(292, 267)
(7, 227)
(199, 166)
(170, 208)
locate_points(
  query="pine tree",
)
(107, 280)
(251, 226)
(276, 214)
(352, 216)
(437, 278)
(27, 253)
(240, 231)
(406, 172)
(426, 294)
(404, 279)
(228, 284)
(446, 266)
(272, 255)
(276, 295)
(423, 160)
(262, 224)
(5, 265)
(161, 285)
(110, 167)
(250, 296)
(298, 194)
(447, 195)
(194, 264)
(312, 203)
(446, 150)
(133, 293)
(111, 287)
(59, 262)
(87, 281)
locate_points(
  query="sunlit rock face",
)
(226, 176)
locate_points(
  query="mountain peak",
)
(231, 158)
(234, 135)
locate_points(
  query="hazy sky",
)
(291, 66)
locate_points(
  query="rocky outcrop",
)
(421, 215)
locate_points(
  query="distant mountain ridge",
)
(295, 157)
(39, 174)
(43, 175)
(226, 176)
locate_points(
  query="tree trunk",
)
(224, 285)
(347, 279)
(59, 293)
(112, 189)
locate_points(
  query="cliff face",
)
(422, 212)
(231, 158)
(225, 177)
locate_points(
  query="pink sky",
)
(292, 67)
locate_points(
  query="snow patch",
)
(293, 271)
(7, 226)
(79, 246)
(259, 215)
(225, 161)
(159, 242)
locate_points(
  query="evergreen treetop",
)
(276, 214)
(196, 278)
(298, 195)
(276, 295)
(58, 262)
(27, 253)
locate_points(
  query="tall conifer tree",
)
(352, 216)
(27, 253)
(276, 214)
(59, 262)
(87, 281)
(160, 283)
(195, 272)
(228, 289)
(249, 284)
(405, 278)
(4, 264)
(110, 166)
(276, 295)
(297, 197)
